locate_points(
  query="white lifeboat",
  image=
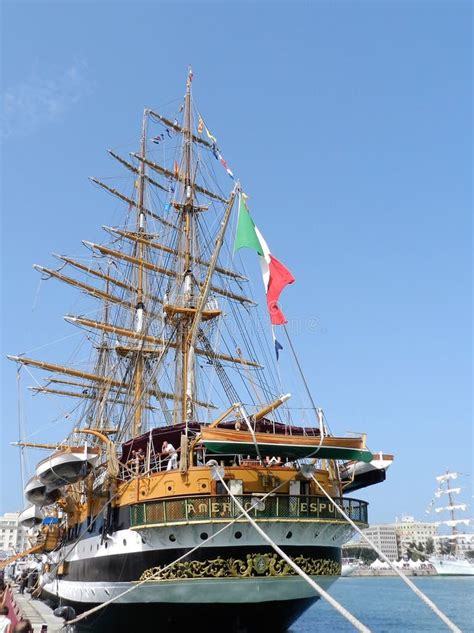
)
(67, 465)
(37, 493)
(30, 517)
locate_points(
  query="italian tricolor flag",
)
(275, 275)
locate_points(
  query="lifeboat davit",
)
(39, 494)
(30, 517)
(67, 465)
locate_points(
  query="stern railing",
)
(223, 508)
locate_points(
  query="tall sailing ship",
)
(451, 561)
(183, 383)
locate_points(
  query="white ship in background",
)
(453, 561)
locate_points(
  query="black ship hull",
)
(233, 589)
(206, 562)
(275, 616)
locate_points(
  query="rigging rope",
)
(20, 428)
(300, 369)
(339, 608)
(405, 579)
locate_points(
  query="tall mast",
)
(140, 306)
(184, 366)
(102, 363)
(454, 529)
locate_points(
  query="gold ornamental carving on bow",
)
(254, 565)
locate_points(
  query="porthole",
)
(90, 550)
(203, 485)
(289, 534)
(106, 544)
(172, 538)
(204, 536)
(97, 545)
(238, 535)
(124, 542)
(170, 488)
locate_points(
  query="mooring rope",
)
(405, 579)
(339, 608)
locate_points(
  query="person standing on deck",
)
(170, 450)
(23, 581)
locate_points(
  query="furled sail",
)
(440, 492)
(460, 506)
(447, 477)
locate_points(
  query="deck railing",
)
(223, 508)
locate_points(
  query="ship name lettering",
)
(224, 508)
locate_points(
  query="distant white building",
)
(410, 531)
(385, 538)
(465, 543)
(394, 539)
(12, 535)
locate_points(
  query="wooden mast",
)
(183, 375)
(206, 287)
(140, 306)
(188, 369)
(102, 364)
(189, 324)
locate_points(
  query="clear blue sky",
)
(348, 124)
